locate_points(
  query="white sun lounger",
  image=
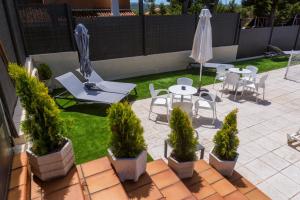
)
(292, 137)
(74, 86)
(111, 86)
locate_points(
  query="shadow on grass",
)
(91, 109)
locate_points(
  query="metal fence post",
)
(237, 30)
(271, 34)
(297, 38)
(144, 34)
(70, 24)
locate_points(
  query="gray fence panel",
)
(284, 37)
(224, 28)
(46, 29)
(114, 37)
(253, 42)
(169, 33)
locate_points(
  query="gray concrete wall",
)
(113, 69)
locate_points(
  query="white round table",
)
(238, 71)
(178, 90)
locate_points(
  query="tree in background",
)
(212, 5)
(162, 9)
(175, 7)
(276, 11)
(231, 7)
(151, 4)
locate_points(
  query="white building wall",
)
(119, 68)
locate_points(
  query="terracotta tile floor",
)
(96, 180)
(160, 182)
(19, 180)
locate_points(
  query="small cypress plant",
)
(127, 139)
(45, 72)
(226, 140)
(182, 137)
(42, 125)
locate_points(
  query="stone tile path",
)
(265, 157)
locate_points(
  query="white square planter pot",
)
(182, 169)
(129, 168)
(225, 167)
(52, 165)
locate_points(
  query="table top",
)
(216, 65)
(238, 71)
(177, 89)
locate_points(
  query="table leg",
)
(166, 149)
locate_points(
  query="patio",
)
(265, 158)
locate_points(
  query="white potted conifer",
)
(183, 142)
(223, 156)
(127, 152)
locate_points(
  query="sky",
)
(162, 1)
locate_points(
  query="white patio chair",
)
(184, 81)
(161, 101)
(220, 73)
(232, 79)
(207, 103)
(252, 76)
(254, 87)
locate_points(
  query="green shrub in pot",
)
(44, 71)
(184, 143)
(226, 140)
(127, 150)
(224, 154)
(43, 125)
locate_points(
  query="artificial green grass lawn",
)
(88, 124)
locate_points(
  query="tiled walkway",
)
(96, 180)
(265, 157)
(160, 182)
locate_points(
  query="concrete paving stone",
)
(249, 175)
(251, 134)
(296, 197)
(244, 156)
(274, 161)
(288, 153)
(278, 137)
(297, 164)
(284, 185)
(254, 149)
(260, 169)
(292, 172)
(272, 192)
(267, 143)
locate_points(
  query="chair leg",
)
(222, 90)
(213, 116)
(150, 111)
(168, 115)
(257, 96)
(236, 91)
(214, 83)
